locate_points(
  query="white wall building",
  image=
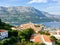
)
(46, 39)
(56, 34)
(42, 38)
(3, 34)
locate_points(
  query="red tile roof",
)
(2, 30)
(37, 38)
(47, 38)
(31, 25)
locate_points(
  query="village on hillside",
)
(45, 38)
(40, 34)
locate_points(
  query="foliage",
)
(42, 44)
(39, 43)
(44, 32)
(12, 40)
(12, 33)
(4, 42)
(23, 42)
(5, 26)
(26, 34)
(9, 41)
(53, 38)
(57, 42)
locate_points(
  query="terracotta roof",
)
(2, 30)
(30, 25)
(47, 38)
(37, 38)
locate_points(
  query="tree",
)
(31, 43)
(37, 43)
(0, 20)
(26, 34)
(44, 32)
(53, 38)
(5, 26)
(41, 32)
(23, 42)
(0, 43)
(47, 33)
(13, 33)
(42, 44)
(57, 42)
(12, 40)
(4, 42)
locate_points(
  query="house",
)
(47, 40)
(42, 39)
(35, 27)
(56, 34)
(36, 38)
(3, 34)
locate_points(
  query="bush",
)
(13, 33)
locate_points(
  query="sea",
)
(51, 24)
(47, 24)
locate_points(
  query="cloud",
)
(43, 1)
(53, 9)
(58, 1)
(5, 5)
(37, 1)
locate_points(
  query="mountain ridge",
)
(23, 14)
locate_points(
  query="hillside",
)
(22, 14)
(5, 26)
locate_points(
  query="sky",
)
(50, 6)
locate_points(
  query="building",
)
(3, 34)
(35, 27)
(47, 40)
(36, 38)
(56, 34)
(42, 39)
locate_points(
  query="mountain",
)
(55, 18)
(23, 14)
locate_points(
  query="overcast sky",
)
(51, 6)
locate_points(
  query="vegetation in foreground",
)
(21, 37)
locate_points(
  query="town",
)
(30, 34)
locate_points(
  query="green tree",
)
(12, 40)
(5, 41)
(0, 20)
(5, 26)
(23, 42)
(42, 44)
(26, 34)
(47, 33)
(13, 33)
(44, 32)
(53, 38)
